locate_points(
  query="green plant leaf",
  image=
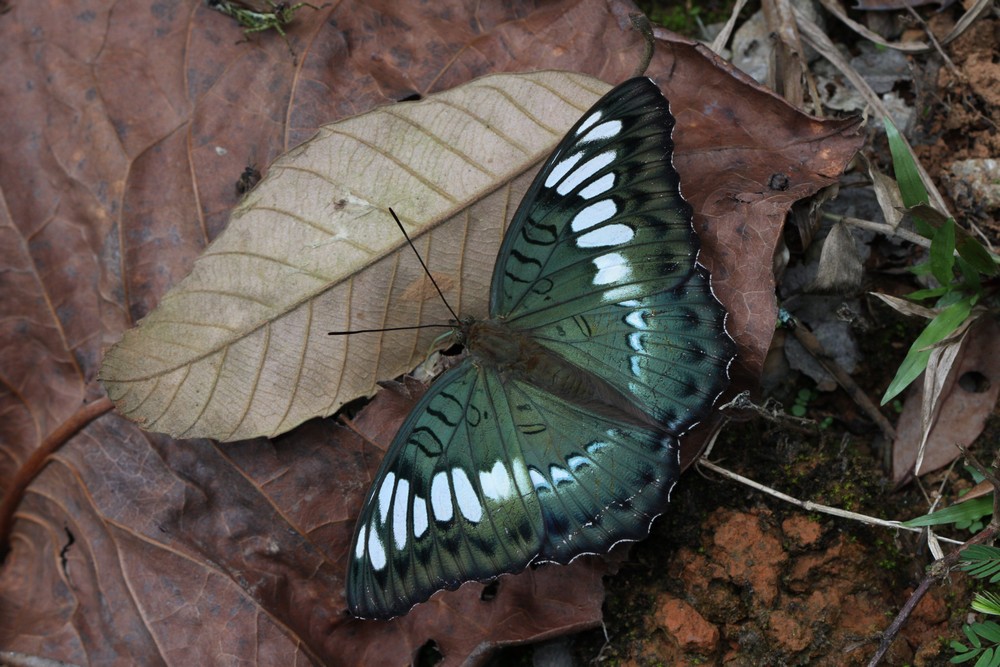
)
(907, 174)
(967, 511)
(976, 255)
(981, 561)
(988, 630)
(986, 659)
(943, 252)
(972, 636)
(919, 295)
(987, 602)
(916, 358)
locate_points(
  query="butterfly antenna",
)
(421, 260)
(415, 326)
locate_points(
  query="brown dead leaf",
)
(735, 141)
(126, 128)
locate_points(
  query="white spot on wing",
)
(560, 475)
(441, 497)
(608, 235)
(593, 118)
(634, 363)
(623, 291)
(359, 548)
(540, 483)
(631, 303)
(611, 268)
(400, 508)
(560, 169)
(603, 131)
(596, 446)
(376, 550)
(637, 319)
(598, 187)
(385, 496)
(468, 502)
(635, 342)
(583, 173)
(577, 462)
(520, 475)
(419, 516)
(592, 215)
(496, 483)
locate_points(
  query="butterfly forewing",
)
(603, 221)
(600, 263)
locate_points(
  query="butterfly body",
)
(516, 356)
(557, 434)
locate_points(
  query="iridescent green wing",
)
(452, 501)
(600, 263)
(599, 481)
(481, 480)
(603, 221)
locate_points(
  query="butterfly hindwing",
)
(667, 350)
(599, 481)
(482, 480)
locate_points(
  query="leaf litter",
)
(182, 528)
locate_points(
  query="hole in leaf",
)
(490, 591)
(429, 655)
(974, 382)
(70, 539)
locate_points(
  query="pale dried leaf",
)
(840, 267)
(906, 307)
(939, 366)
(887, 193)
(240, 348)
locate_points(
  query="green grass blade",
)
(967, 511)
(916, 358)
(943, 252)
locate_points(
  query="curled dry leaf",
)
(240, 348)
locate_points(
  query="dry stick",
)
(933, 40)
(39, 459)
(941, 567)
(810, 506)
(815, 348)
(881, 228)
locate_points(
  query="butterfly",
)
(557, 434)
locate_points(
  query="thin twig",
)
(938, 570)
(810, 506)
(39, 458)
(933, 40)
(847, 383)
(881, 228)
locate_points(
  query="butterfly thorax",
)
(518, 356)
